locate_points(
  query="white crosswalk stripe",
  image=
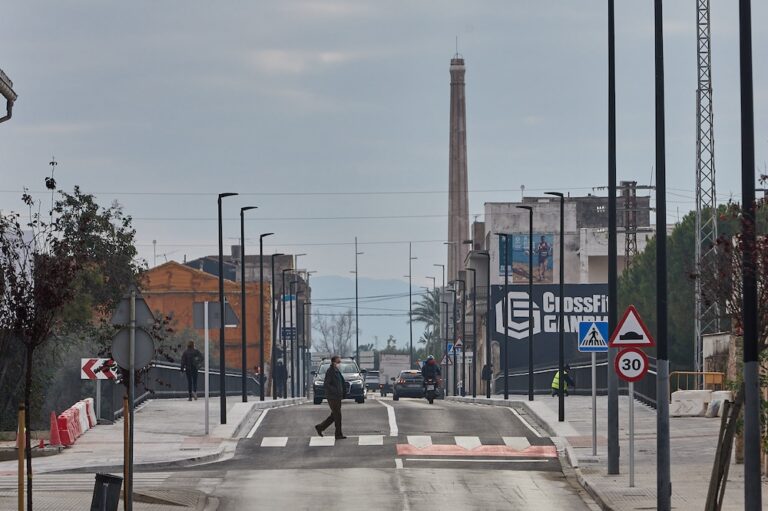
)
(371, 440)
(419, 441)
(516, 442)
(468, 442)
(322, 441)
(274, 441)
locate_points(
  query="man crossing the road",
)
(335, 391)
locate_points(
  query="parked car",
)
(354, 380)
(409, 383)
(372, 381)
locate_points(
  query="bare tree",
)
(336, 332)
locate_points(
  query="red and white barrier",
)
(75, 421)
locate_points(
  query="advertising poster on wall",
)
(582, 302)
(543, 259)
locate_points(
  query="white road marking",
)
(468, 442)
(322, 441)
(420, 441)
(470, 460)
(258, 423)
(398, 463)
(392, 421)
(371, 440)
(525, 422)
(274, 441)
(516, 442)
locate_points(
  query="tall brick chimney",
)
(458, 198)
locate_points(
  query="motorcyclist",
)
(431, 369)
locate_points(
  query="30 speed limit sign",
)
(631, 364)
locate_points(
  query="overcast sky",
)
(317, 108)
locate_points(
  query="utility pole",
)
(222, 321)
(410, 300)
(273, 310)
(357, 324)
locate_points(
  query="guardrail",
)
(715, 380)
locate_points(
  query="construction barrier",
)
(75, 421)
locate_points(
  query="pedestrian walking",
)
(334, 392)
(568, 381)
(190, 364)
(486, 375)
(281, 378)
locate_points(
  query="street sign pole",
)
(207, 367)
(631, 434)
(98, 399)
(131, 397)
(594, 404)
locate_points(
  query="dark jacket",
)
(191, 359)
(281, 372)
(334, 384)
(431, 369)
(487, 372)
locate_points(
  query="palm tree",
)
(427, 311)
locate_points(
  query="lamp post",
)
(283, 331)
(307, 314)
(243, 322)
(505, 311)
(443, 267)
(560, 316)
(357, 317)
(6, 89)
(410, 301)
(273, 310)
(530, 300)
(453, 323)
(460, 320)
(294, 297)
(222, 347)
(445, 341)
(261, 313)
(487, 319)
(294, 343)
(434, 285)
(474, 332)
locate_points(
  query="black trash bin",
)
(106, 492)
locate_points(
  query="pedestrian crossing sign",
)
(593, 336)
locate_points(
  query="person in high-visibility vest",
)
(568, 381)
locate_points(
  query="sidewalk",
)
(168, 433)
(693, 443)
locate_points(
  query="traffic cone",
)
(55, 439)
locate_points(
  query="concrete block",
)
(719, 397)
(687, 408)
(697, 395)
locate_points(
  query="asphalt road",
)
(398, 456)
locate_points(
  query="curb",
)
(560, 442)
(259, 406)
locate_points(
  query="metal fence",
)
(645, 389)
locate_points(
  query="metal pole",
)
(22, 436)
(445, 339)
(273, 319)
(613, 380)
(262, 373)
(222, 345)
(98, 399)
(207, 366)
(131, 395)
(752, 488)
(283, 330)
(488, 323)
(594, 404)
(505, 311)
(631, 434)
(561, 316)
(455, 336)
(530, 300)
(410, 303)
(357, 317)
(294, 300)
(473, 368)
(663, 478)
(464, 339)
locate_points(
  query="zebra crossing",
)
(425, 445)
(82, 482)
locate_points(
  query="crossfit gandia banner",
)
(582, 302)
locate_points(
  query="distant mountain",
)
(383, 306)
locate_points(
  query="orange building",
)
(172, 288)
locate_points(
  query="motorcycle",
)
(430, 389)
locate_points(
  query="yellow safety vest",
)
(556, 382)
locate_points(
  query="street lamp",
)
(445, 341)
(283, 331)
(530, 300)
(434, 285)
(6, 89)
(460, 320)
(294, 338)
(222, 347)
(487, 319)
(243, 327)
(261, 313)
(294, 355)
(453, 322)
(357, 317)
(307, 314)
(474, 332)
(561, 315)
(272, 323)
(301, 357)
(443, 267)
(505, 311)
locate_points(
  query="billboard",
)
(582, 302)
(543, 260)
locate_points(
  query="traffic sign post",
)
(631, 365)
(96, 369)
(593, 338)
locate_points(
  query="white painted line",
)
(371, 440)
(518, 443)
(274, 441)
(472, 460)
(258, 423)
(468, 442)
(398, 463)
(322, 441)
(420, 441)
(392, 421)
(525, 422)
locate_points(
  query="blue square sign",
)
(593, 336)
